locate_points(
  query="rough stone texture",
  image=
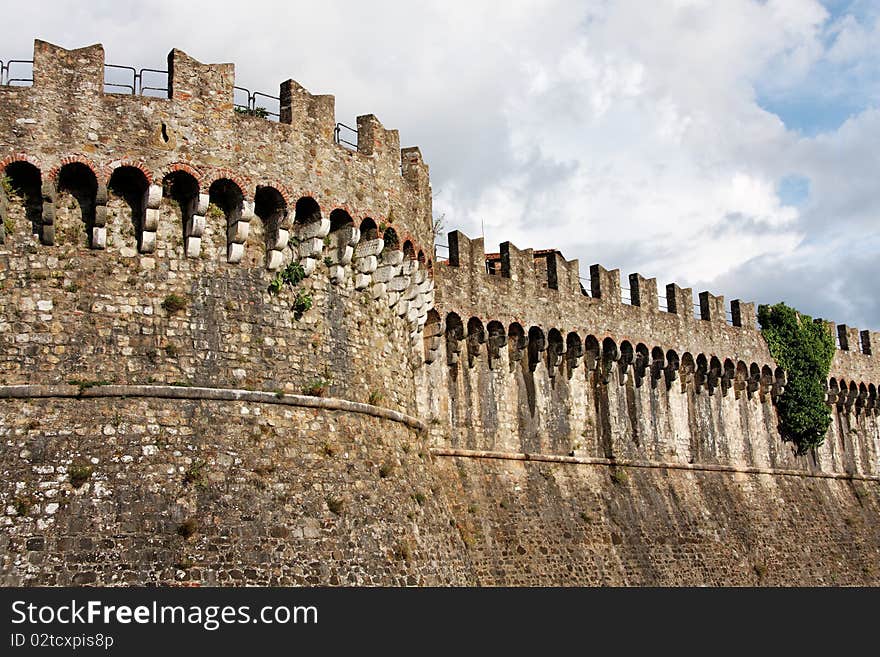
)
(276, 495)
(496, 419)
(540, 523)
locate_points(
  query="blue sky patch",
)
(793, 190)
(831, 92)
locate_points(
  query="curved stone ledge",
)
(659, 465)
(26, 391)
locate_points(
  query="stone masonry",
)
(230, 357)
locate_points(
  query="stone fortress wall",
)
(491, 419)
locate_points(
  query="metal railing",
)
(133, 81)
(134, 84)
(250, 105)
(341, 129)
(6, 78)
(586, 285)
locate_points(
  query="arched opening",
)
(728, 374)
(766, 380)
(673, 365)
(714, 373)
(454, 336)
(640, 362)
(431, 336)
(742, 378)
(182, 189)
(592, 351)
(626, 352)
(271, 208)
(574, 350)
(627, 356)
(421, 258)
(340, 243)
(306, 211)
(409, 251)
(843, 394)
(658, 362)
(226, 196)
(392, 242)
(687, 369)
(657, 356)
(863, 396)
(610, 350)
(555, 350)
(369, 230)
(339, 219)
(497, 339)
(476, 336)
(853, 394)
(225, 202)
(536, 345)
(833, 390)
(25, 182)
(78, 191)
(131, 185)
(516, 343)
(610, 355)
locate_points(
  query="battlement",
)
(525, 274)
(196, 129)
(527, 271)
(542, 298)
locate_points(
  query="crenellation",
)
(865, 342)
(313, 117)
(680, 301)
(643, 293)
(190, 81)
(843, 337)
(62, 73)
(712, 308)
(743, 314)
(605, 284)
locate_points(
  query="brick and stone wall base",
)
(114, 490)
(224, 487)
(536, 523)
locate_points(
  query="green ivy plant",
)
(301, 303)
(291, 275)
(804, 349)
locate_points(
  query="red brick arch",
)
(136, 164)
(279, 187)
(346, 208)
(307, 193)
(244, 184)
(77, 158)
(21, 157)
(180, 166)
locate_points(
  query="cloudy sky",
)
(728, 145)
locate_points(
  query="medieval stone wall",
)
(172, 411)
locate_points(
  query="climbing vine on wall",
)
(804, 349)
